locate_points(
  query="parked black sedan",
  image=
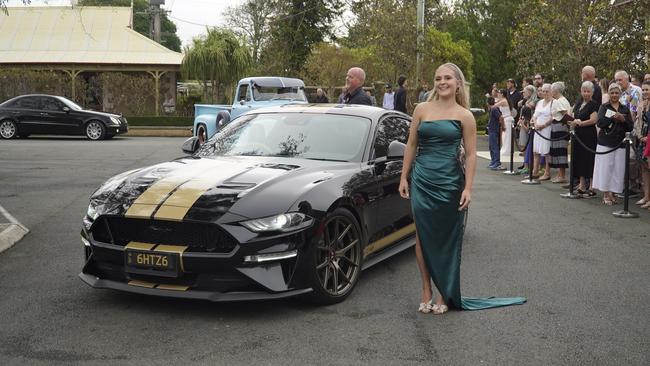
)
(54, 115)
(284, 201)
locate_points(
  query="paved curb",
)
(160, 131)
(11, 232)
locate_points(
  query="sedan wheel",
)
(95, 130)
(338, 258)
(8, 129)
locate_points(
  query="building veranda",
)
(88, 54)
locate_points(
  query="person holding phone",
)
(614, 121)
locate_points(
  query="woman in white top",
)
(542, 122)
(504, 106)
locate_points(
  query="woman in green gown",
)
(441, 190)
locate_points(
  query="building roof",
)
(80, 35)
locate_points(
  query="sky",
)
(190, 16)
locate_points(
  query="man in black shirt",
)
(514, 95)
(354, 85)
(400, 94)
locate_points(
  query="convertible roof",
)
(274, 81)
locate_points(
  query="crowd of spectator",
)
(601, 117)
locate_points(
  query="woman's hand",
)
(465, 199)
(404, 188)
(644, 139)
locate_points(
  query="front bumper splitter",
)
(96, 282)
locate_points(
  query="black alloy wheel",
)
(8, 129)
(337, 258)
(95, 130)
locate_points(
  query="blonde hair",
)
(461, 95)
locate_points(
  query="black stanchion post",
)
(531, 139)
(512, 152)
(570, 194)
(626, 214)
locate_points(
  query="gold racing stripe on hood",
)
(145, 205)
(177, 205)
(183, 198)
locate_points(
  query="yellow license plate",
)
(154, 263)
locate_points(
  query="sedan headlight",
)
(115, 120)
(284, 222)
(92, 212)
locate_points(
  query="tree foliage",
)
(559, 37)
(217, 59)
(142, 20)
(487, 26)
(251, 20)
(296, 27)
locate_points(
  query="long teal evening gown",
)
(437, 181)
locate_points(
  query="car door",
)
(27, 113)
(393, 216)
(57, 120)
(242, 101)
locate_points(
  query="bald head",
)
(588, 73)
(355, 78)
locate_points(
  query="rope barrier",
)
(550, 139)
(593, 151)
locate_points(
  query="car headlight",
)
(115, 120)
(284, 222)
(92, 212)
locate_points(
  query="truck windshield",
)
(303, 135)
(294, 93)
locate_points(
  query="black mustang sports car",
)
(53, 115)
(282, 201)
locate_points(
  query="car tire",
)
(336, 258)
(95, 130)
(8, 129)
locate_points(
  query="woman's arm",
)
(410, 151)
(593, 117)
(469, 142)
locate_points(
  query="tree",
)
(142, 20)
(487, 26)
(252, 21)
(558, 38)
(388, 28)
(440, 48)
(297, 26)
(217, 60)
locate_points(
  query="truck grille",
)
(198, 237)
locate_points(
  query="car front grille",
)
(199, 237)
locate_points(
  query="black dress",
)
(583, 163)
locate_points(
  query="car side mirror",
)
(396, 150)
(242, 102)
(191, 145)
(66, 109)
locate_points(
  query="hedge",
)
(160, 121)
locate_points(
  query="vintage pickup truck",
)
(252, 93)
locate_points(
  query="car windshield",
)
(294, 93)
(303, 135)
(72, 105)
